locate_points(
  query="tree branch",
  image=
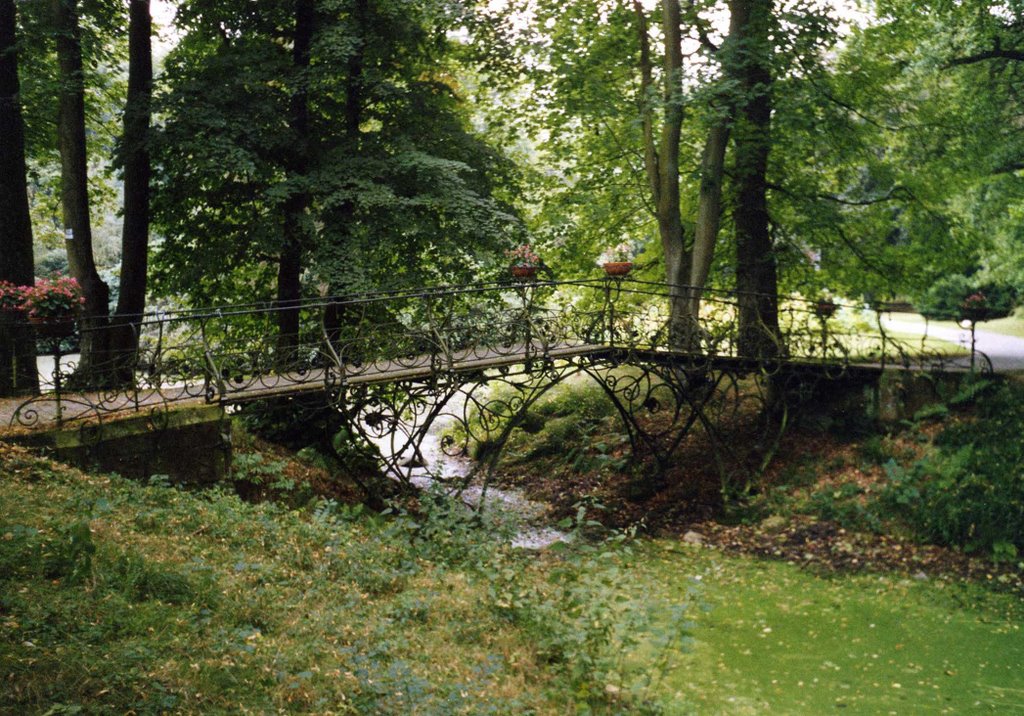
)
(1009, 168)
(701, 26)
(996, 53)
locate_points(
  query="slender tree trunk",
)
(661, 159)
(18, 372)
(354, 79)
(74, 191)
(670, 225)
(712, 169)
(756, 279)
(131, 300)
(336, 317)
(709, 210)
(289, 285)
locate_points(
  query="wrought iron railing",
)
(235, 354)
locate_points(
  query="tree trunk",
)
(18, 372)
(354, 79)
(336, 317)
(289, 285)
(756, 280)
(74, 192)
(709, 211)
(661, 161)
(712, 169)
(131, 300)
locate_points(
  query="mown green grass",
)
(1012, 325)
(776, 639)
(118, 597)
(1009, 326)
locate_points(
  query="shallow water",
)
(438, 466)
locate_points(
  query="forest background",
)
(290, 149)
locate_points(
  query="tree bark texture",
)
(709, 210)
(18, 372)
(131, 299)
(74, 192)
(335, 315)
(289, 284)
(756, 280)
(712, 168)
(661, 159)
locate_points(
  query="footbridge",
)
(470, 362)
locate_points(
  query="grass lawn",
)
(1009, 326)
(127, 598)
(117, 597)
(772, 638)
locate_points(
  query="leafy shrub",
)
(874, 451)
(969, 491)
(576, 398)
(449, 533)
(255, 469)
(584, 626)
(944, 298)
(295, 422)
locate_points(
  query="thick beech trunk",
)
(18, 372)
(131, 300)
(756, 279)
(289, 284)
(74, 192)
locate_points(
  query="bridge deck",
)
(45, 411)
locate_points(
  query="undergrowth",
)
(130, 598)
(968, 491)
(953, 476)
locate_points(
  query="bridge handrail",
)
(230, 352)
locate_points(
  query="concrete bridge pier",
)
(191, 445)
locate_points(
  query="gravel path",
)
(1005, 352)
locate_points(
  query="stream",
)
(532, 533)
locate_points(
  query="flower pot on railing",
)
(975, 308)
(52, 304)
(53, 326)
(617, 268)
(524, 261)
(12, 303)
(524, 271)
(825, 308)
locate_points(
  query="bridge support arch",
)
(658, 402)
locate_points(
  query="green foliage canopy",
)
(402, 191)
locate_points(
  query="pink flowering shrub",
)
(523, 256)
(12, 297)
(54, 297)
